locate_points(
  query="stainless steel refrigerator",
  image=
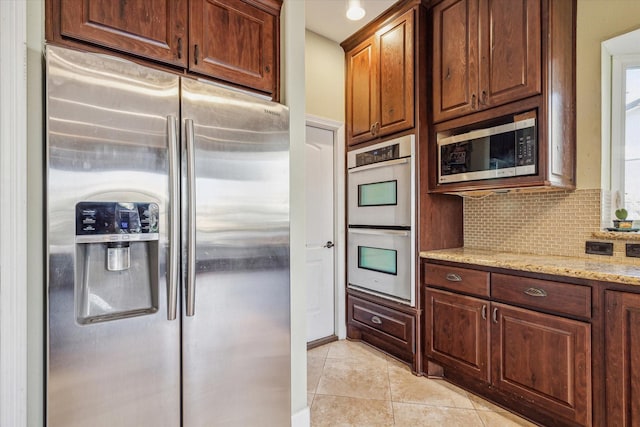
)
(168, 249)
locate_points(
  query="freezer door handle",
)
(174, 227)
(191, 220)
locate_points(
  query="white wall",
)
(35, 233)
(324, 77)
(294, 96)
(597, 21)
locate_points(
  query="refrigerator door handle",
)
(191, 221)
(174, 227)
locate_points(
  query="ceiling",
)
(327, 17)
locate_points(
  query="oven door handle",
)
(379, 165)
(379, 232)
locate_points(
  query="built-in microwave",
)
(506, 150)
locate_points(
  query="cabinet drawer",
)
(562, 298)
(457, 279)
(397, 326)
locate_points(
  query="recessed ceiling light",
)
(355, 11)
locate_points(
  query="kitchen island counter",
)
(627, 272)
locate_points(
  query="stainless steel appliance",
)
(381, 214)
(509, 149)
(380, 184)
(168, 249)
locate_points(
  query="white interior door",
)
(319, 158)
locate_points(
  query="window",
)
(621, 122)
(625, 141)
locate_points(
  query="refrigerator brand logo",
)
(273, 113)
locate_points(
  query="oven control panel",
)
(381, 154)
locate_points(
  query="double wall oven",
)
(381, 217)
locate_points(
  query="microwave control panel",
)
(526, 145)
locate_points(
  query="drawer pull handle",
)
(484, 312)
(535, 292)
(453, 277)
(495, 315)
(376, 320)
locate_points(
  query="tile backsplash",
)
(542, 223)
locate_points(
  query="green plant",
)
(621, 214)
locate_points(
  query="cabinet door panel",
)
(510, 50)
(543, 358)
(361, 91)
(233, 41)
(396, 76)
(150, 28)
(622, 358)
(456, 332)
(455, 67)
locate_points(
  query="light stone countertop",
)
(586, 268)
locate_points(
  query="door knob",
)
(329, 244)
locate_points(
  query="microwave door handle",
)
(379, 165)
(379, 232)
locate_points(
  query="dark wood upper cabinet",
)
(485, 53)
(380, 80)
(361, 91)
(496, 59)
(622, 358)
(234, 41)
(510, 45)
(455, 58)
(154, 29)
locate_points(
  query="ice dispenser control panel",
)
(116, 222)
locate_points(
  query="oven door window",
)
(378, 194)
(377, 259)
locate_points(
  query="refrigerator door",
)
(113, 357)
(236, 322)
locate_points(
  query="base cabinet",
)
(501, 346)
(388, 328)
(544, 359)
(459, 333)
(622, 358)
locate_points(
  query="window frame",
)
(615, 53)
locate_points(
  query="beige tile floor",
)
(352, 384)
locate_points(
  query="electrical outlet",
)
(599, 248)
(633, 250)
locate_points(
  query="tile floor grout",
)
(342, 376)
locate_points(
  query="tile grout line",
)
(393, 410)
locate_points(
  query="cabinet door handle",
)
(484, 312)
(196, 53)
(453, 277)
(535, 292)
(179, 47)
(377, 128)
(483, 99)
(473, 101)
(376, 320)
(373, 129)
(495, 315)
